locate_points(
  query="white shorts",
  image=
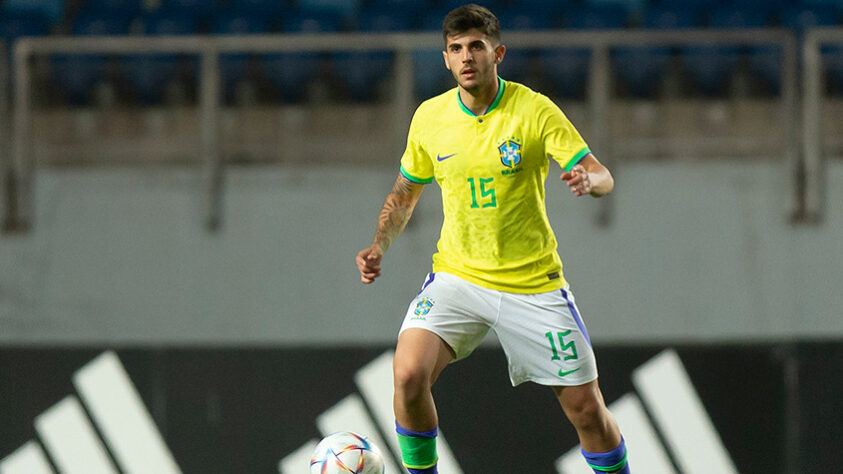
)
(542, 334)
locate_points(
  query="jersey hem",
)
(552, 285)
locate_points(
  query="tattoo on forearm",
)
(396, 211)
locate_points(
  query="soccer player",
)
(488, 143)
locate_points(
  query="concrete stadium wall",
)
(696, 252)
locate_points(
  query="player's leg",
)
(602, 444)
(420, 357)
(444, 322)
(547, 343)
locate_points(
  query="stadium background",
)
(233, 301)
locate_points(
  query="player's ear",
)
(500, 51)
(445, 58)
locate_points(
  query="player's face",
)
(473, 59)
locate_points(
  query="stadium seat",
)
(802, 17)
(290, 72)
(409, 8)
(431, 76)
(567, 68)
(630, 6)
(150, 74)
(833, 64)
(345, 9)
(236, 68)
(122, 8)
(711, 67)
(200, 9)
(448, 5)
(77, 74)
(363, 72)
(50, 11)
(15, 26)
(272, 9)
(554, 11)
(518, 62)
(640, 70)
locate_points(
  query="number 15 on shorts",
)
(568, 349)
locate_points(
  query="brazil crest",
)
(510, 152)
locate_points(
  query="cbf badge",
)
(510, 151)
(423, 307)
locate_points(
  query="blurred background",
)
(186, 183)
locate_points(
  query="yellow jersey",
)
(492, 169)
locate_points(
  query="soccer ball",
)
(346, 453)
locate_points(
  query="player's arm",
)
(392, 219)
(589, 176)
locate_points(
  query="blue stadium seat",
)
(77, 74)
(763, 61)
(122, 8)
(15, 26)
(290, 72)
(431, 76)
(554, 11)
(640, 69)
(630, 6)
(833, 64)
(517, 62)
(344, 9)
(448, 5)
(50, 11)
(567, 68)
(362, 72)
(149, 74)
(273, 9)
(201, 9)
(696, 5)
(409, 8)
(802, 17)
(711, 67)
(236, 68)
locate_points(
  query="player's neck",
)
(479, 99)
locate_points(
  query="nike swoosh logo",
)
(443, 158)
(564, 373)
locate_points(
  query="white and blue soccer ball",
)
(346, 453)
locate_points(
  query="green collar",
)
(498, 97)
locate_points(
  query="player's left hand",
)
(577, 179)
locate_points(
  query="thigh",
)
(545, 339)
(421, 352)
(459, 312)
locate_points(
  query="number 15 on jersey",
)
(482, 193)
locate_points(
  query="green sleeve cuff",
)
(413, 178)
(576, 159)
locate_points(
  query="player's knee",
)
(587, 414)
(410, 380)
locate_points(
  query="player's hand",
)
(369, 263)
(577, 179)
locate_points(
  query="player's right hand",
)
(369, 263)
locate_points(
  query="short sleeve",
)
(562, 141)
(416, 164)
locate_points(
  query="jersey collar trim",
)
(492, 106)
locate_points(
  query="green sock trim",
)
(614, 468)
(418, 452)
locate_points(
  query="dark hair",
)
(466, 17)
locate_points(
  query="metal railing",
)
(20, 180)
(813, 173)
(5, 168)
